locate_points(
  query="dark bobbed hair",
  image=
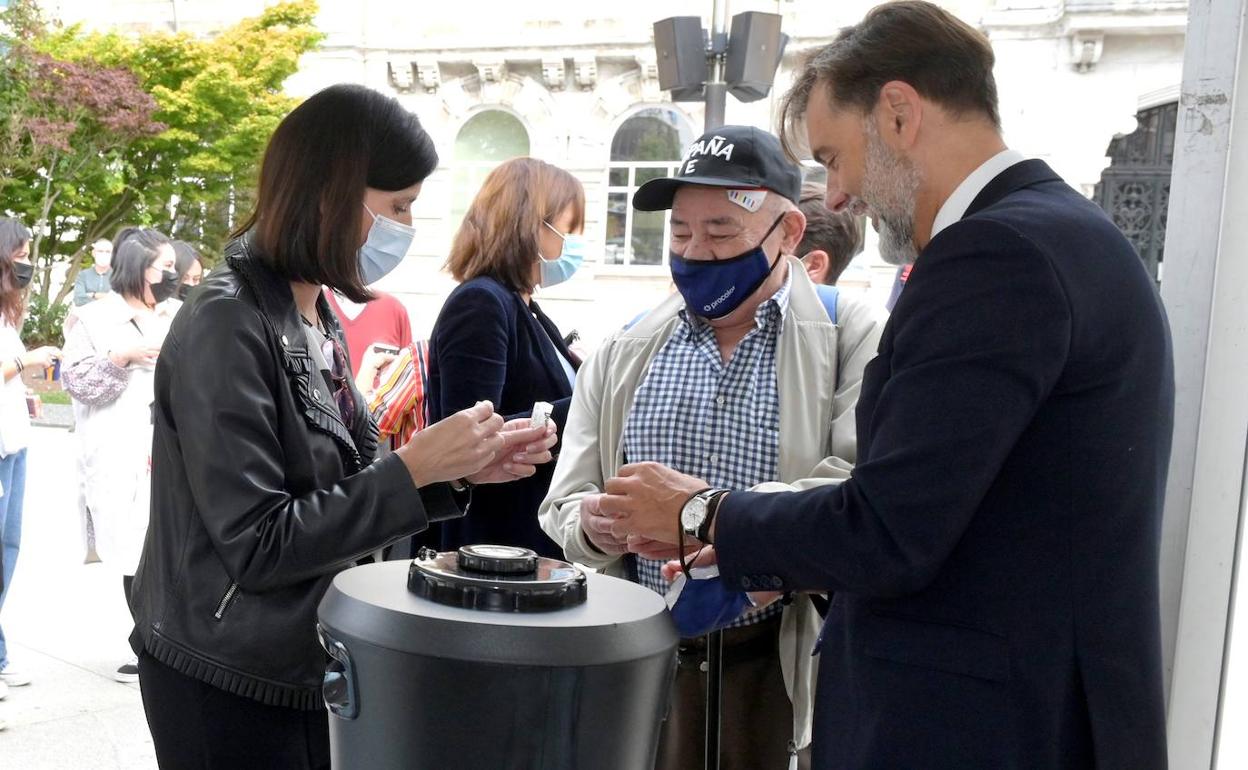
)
(184, 255)
(942, 57)
(13, 236)
(319, 162)
(132, 256)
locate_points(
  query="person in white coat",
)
(110, 357)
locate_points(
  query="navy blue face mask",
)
(713, 288)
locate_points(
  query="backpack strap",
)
(828, 295)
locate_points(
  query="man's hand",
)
(645, 500)
(597, 527)
(705, 559)
(657, 551)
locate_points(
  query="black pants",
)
(197, 726)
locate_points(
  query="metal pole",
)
(716, 88)
(714, 693)
(716, 100)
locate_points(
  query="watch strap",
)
(712, 507)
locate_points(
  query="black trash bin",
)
(494, 659)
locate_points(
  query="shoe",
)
(128, 673)
(14, 677)
(92, 557)
(4, 690)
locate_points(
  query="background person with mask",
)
(93, 283)
(189, 266)
(493, 342)
(16, 273)
(111, 347)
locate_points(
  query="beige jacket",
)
(819, 369)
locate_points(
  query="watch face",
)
(692, 515)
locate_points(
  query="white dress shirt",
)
(964, 195)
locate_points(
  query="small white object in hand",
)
(541, 414)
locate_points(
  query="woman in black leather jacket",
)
(264, 483)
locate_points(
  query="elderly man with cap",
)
(742, 378)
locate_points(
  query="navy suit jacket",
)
(994, 555)
(487, 345)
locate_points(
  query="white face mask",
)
(387, 244)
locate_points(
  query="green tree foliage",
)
(191, 170)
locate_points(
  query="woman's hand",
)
(374, 363)
(45, 356)
(139, 354)
(524, 449)
(455, 448)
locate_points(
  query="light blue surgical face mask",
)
(556, 271)
(386, 246)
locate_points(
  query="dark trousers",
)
(196, 726)
(756, 717)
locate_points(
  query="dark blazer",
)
(995, 552)
(260, 492)
(487, 345)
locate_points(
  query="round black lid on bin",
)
(496, 578)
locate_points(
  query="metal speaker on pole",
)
(680, 48)
(754, 50)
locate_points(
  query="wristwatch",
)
(699, 511)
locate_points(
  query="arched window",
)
(646, 146)
(485, 140)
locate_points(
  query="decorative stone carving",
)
(400, 75)
(586, 73)
(493, 76)
(1086, 49)
(554, 74)
(491, 70)
(648, 78)
(429, 74)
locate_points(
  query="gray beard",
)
(897, 242)
(890, 187)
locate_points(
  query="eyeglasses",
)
(339, 374)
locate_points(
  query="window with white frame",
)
(484, 141)
(646, 146)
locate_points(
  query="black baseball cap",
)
(733, 157)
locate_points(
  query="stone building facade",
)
(575, 83)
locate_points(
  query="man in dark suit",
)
(994, 555)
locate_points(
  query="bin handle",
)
(338, 688)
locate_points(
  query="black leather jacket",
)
(260, 493)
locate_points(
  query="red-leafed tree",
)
(66, 125)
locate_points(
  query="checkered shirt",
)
(718, 422)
